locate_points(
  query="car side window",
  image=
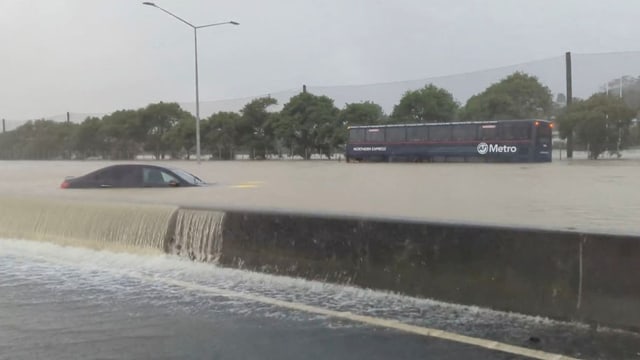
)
(119, 176)
(157, 177)
(104, 177)
(130, 176)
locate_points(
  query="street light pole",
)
(195, 43)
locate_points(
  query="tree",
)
(364, 113)
(429, 104)
(181, 137)
(9, 146)
(220, 134)
(600, 122)
(518, 96)
(43, 139)
(88, 140)
(123, 134)
(255, 129)
(308, 123)
(156, 120)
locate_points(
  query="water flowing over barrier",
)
(197, 235)
(567, 275)
(560, 274)
(99, 225)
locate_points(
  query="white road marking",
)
(364, 319)
(369, 320)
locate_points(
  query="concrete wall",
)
(592, 278)
(565, 275)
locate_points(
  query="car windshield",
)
(188, 177)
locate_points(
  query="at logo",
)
(483, 148)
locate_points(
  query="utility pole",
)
(4, 127)
(569, 101)
(68, 118)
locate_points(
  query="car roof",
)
(135, 165)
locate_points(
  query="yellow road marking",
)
(244, 186)
(248, 185)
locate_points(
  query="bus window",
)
(440, 133)
(356, 135)
(417, 133)
(462, 132)
(544, 130)
(396, 134)
(543, 134)
(375, 135)
(488, 132)
(515, 130)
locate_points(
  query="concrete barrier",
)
(587, 277)
(565, 275)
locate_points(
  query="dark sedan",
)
(133, 176)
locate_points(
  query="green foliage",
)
(155, 121)
(600, 122)
(429, 104)
(88, 141)
(518, 96)
(220, 136)
(364, 113)
(122, 134)
(309, 123)
(38, 140)
(256, 128)
(181, 137)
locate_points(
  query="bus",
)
(477, 141)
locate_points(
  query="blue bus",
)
(477, 141)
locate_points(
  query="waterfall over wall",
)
(197, 235)
(554, 273)
(100, 225)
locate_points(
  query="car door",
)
(105, 178)
(156, 177)
(129, 176)
(118, 177)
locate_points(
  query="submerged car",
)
(133, 176)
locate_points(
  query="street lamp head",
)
(148, 3)
(234, 23)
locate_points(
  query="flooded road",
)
(65, 302)
(599, 196)
(71, 303)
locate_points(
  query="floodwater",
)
(64, 302)
(71, 303)
(584, 195)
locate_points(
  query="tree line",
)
(311, 124)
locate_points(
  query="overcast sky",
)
(99, 56)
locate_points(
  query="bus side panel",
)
(442, 151)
